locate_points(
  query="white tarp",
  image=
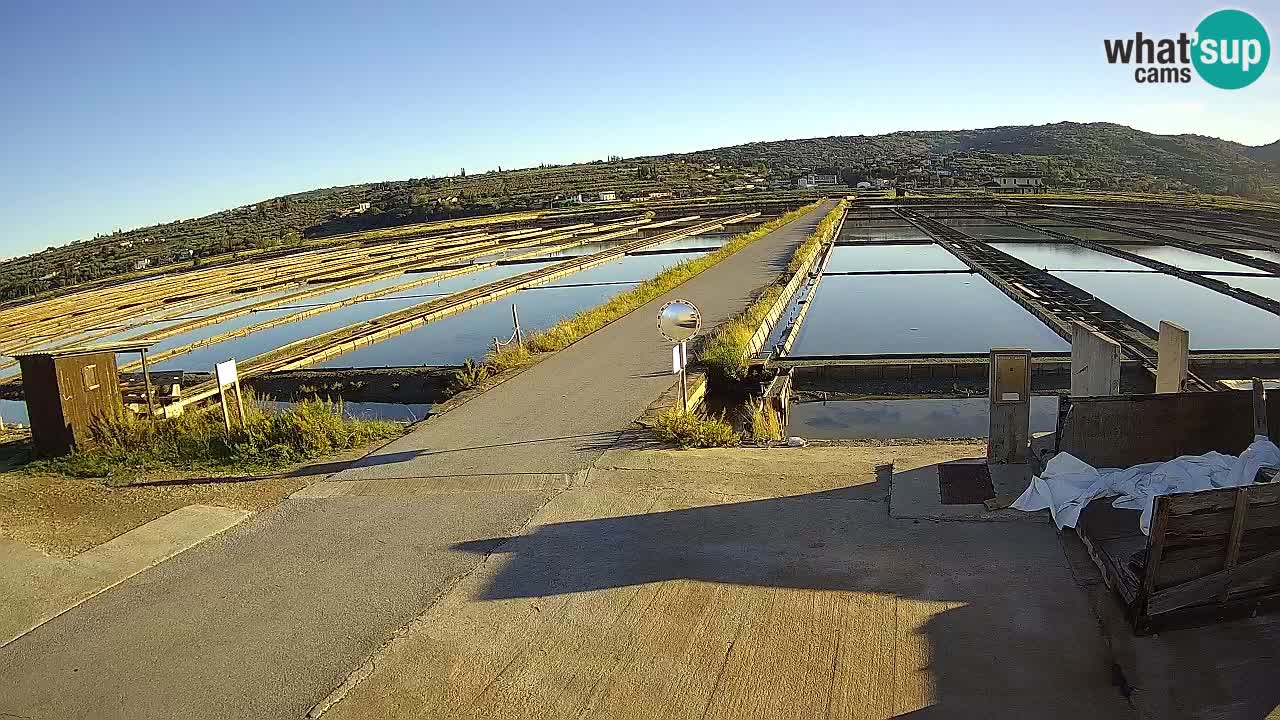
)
(1068, 483)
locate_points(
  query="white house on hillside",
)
(1015, 184)
(816, 180)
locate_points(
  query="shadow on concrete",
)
(307, 470)
(705, 543)
(178, 482)
(589, 441)
(1008, 632)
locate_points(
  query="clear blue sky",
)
(122, 114)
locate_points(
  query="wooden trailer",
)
(1210, 555)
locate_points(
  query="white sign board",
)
(679, 358)
(226, 373)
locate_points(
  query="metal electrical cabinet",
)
(1010, 395)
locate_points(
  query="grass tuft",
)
(725, 352)
(197, 440)
(764, 425)
(690, 430)
(469, 376)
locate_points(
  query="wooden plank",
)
(1237, 531)
(1220, 500)
(1259, 408)
(1202, 525)
(1155, 552)
(1204, 589)
(1207, 526)
(1191, 561)
(1156, 427)
(1111, 557)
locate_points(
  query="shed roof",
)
(125, 346)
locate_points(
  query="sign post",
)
(228, 378)
(678, 321)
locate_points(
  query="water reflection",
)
(913, 418)
(1216, 321)
(917, 314)
(1272, 255)
(454, 339)
(1186, 259)
(14, 412)
(1267, 286)
(1065, 256)
(879, 258)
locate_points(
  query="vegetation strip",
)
(568, 331)
(126, 445)
(689, 430)
(725, 353)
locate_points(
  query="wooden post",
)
(1234, 536)
(146, 381)
(1173, 348)
(239, 402)
(1155, 554)
(515, 318)
(684, 390)
(1260, 409)
(226, 416)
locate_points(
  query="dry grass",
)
(267, 439)
(765, 427)
(690, 430)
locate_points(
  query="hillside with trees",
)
(1094, 156)
(1070, 156)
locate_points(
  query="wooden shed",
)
(66, 388)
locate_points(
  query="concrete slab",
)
(915, 495)
(35, 588)
(293, 599)
(757, 472)
(663, 600)
(408, 487)
(1225, 670)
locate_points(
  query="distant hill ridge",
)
(1068, 155)
(1099, 155)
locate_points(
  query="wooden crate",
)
(1211, 555)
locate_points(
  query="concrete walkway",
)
(564, 412)
(267, 619)
(35, 587)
